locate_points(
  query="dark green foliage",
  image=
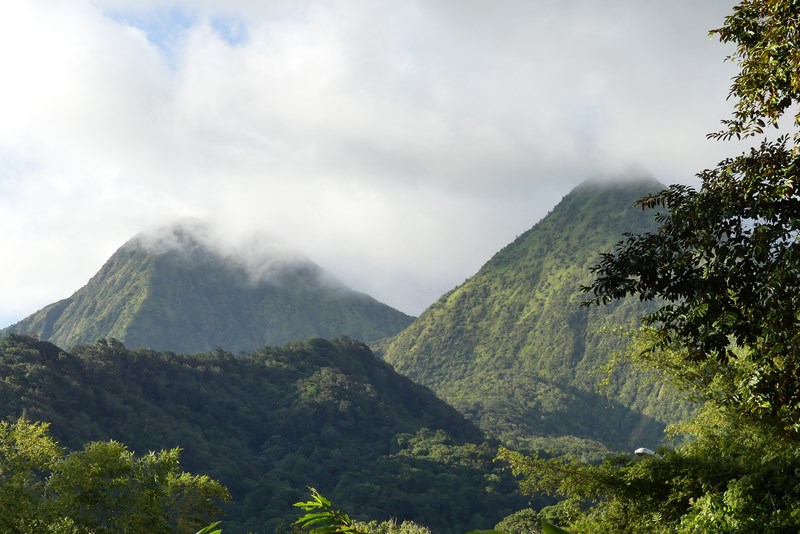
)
(513, 349)
(189, 298)
(724, 267)
(765, 33)
(317, 413)
(725, 260)
(726, 263)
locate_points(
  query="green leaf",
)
(548, 528)
(208, 529)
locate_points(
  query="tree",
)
(27, 453)
(102, 488)
(725, 260)
(323, 518)
(765, 33)
(732, 476)
(723, 267)
(106, 488)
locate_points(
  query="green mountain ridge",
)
(178, 293)
(268, 424)
(514, 350)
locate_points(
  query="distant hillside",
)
(317, 413)
(513, 349)
(174, 291)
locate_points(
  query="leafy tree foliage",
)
(393, 527)
(765, 33)
(724, 269)
(525, 521)
(27, 454)
(103, 488)
(726, 263)
(725, 259)
(731, 477)
(323, 518)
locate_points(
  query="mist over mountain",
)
(176, 288)
(513, 349)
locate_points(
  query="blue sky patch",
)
(232, 30)
(164, 28)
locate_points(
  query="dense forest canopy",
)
(268, 424)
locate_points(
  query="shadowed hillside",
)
(317, 413)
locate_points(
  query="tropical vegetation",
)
(513, 349)
(102, 488)
(723, 268)
(319, 413)
(716, 271)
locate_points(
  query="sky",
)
(398, 144)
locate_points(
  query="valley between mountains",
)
(273, 376)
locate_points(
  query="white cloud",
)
(398, 144)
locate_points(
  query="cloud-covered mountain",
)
(513, 348)
(174, 289)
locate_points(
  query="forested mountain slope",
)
(317, 413)
(176, 292)
(513, 349)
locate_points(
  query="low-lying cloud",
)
(397, 144)
(259, 257)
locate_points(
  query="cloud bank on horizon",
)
(397, 144)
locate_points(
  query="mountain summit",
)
(174, 289)
(513, 348)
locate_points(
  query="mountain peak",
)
(515, 334)
(253, 259)
(183, 287)
(623, 184)
(621, 174)
(181, 235)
